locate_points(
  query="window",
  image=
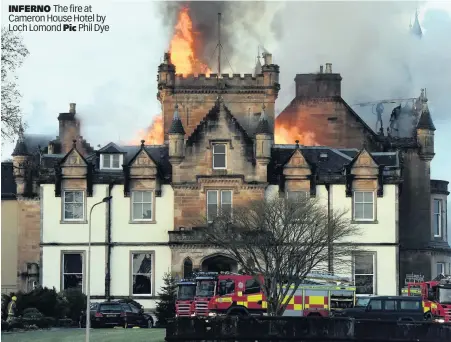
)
(141, 273)
(297, 195)
(437, 224)
(364, 273)
(440, 268)
(363, 206)
(218, 201)
(376, 304)
(110, 161)
(74, 207)
(72, 271)
(410, 305)
(219, 156)
(252, 286)
(390, 305)
(187, 268)
(142, 205)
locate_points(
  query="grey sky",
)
(112, 76)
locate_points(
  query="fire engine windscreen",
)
(205, 288)
(186, 291)
(444, 295)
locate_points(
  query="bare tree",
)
(13, 54)
(281, 241)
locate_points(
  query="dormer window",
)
(219, 156)
(111, 161)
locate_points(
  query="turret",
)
(166, 73)
(270, 72)
(21, 163)
(425, 130)
(263, 139)
(258, 67)
(176, 139)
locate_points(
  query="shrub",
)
(165, 309)
(44, 300)
(76, 303)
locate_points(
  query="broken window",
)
(219, 156)
(72, 271)
(73, 206)
(142, 273)
(142, 205)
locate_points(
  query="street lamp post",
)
(88, 271)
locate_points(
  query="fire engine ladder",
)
(328, 278)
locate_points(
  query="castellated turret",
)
(425, 131)
(21, 164)
(176, 139)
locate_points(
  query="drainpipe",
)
(330, 261)
(108, 254)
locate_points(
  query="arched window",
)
(187, 268)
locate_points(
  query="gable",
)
(73, 158)
(364, 165)
(297, 165)
(143, 159)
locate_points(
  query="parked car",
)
(399, 308)
(113, 313)
(82, 322)
(137, 306)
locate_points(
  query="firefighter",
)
(12, 309)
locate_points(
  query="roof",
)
(8, 182)
(176, 126)
(110, 148)
(425, 120)
(329, 161)
(263, 124)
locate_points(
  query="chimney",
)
(167, 58)
(328, 68)
(268, 58)
(69, 129)
(72, 108)
(319, 85)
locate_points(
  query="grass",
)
(78, 335)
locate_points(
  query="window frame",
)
(374, 274)
(152, 206)
(443, 267)
(215, 153)
(307, 193)
(438, 216)
(373, 202)
(83, 219)
(110, 167)
(219, 201)
(152, 274)
(83, 268)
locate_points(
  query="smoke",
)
(368, 43)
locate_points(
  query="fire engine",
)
(186, 289)
(238, 294)
(436, 296)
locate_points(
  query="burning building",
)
(220, 146)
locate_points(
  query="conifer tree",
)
(165, 309)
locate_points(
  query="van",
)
(391, 308)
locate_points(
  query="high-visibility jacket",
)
(12, 308)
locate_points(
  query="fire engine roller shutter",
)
(316, 299)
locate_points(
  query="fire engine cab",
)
(436, 295)
(186, 289)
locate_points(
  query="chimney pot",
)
(328, 68)
(167, 58)
(268, 58)
(72, 108)
(320, 69)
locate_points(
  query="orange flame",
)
(182, 47)
(154, 133)
(287, 134)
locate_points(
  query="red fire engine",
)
(186, 289)
(436, 296)
(237, 294)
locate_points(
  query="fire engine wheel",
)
(237, 313)
(428, 316)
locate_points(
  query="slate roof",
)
(176, 126)
(8, 182)
(389, 159)
(425, 120)
(263, 124)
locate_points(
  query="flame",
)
(182, 47)
(154, 133)
(287, 134)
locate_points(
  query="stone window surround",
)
(83, 260)
(307, 193)
(213, 155)
(152, 281)
(374, 254)
(143, 221)
(102, 165)
(219, 197)
(364, 221)
(441, 214)
(63, 220)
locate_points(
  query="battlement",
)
(227, 80)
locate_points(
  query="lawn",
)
(78, 335)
